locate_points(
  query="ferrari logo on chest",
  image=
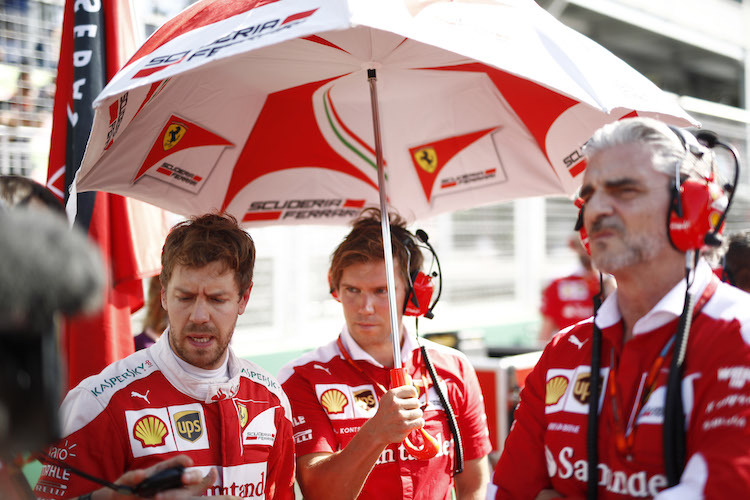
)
(175, 132)
(242, 412)
(426, 158)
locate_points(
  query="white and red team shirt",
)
(546, 447)
(568, 300)
(145, 408)
(331, 400)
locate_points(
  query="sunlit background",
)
(495, 259)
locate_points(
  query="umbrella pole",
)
(384, 222)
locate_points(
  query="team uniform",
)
(547, 444)
(146, 408)
(568, 300)
(331, 400)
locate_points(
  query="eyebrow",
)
(610, 184)
(190, 292)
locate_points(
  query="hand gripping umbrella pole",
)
(430, 446)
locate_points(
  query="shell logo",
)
(150, 431)
(556, 387)
(334, 401)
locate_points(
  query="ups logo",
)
(188, 425)
(582, 388)
(365, 399)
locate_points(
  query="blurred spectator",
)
(569, 299)
(737, 260)
(156, 317)
(17, 191)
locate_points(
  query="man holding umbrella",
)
(610, 410)
(348, 426)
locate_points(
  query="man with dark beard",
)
(188, 394)
(650, 197)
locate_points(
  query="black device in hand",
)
(163, 480)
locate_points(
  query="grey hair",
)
(694, 159)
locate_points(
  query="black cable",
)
(674, 420)
(450, 415)
(422, 236)
(592, 432)
(121, 489)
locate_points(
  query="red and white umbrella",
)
(262, 108)
(294, 111)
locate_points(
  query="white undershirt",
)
(218, 375)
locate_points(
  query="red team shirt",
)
(547, 444)
(568, 300)
(145, 408)
(331, 400)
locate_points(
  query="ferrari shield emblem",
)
(175, 132)
(242, 410)
(426, 158)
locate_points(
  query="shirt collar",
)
(666, 310)
(206, 390)
(357, 353)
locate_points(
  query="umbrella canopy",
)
(262, 108)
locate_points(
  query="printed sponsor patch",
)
(334, 401)
(188, 423)
(261, 430)
(555, 389)
(245, 481)
(149, 432)
(737, 376)
(242, 414)
(575, 395)
(343, 402)
(365, 399)
(302, 436)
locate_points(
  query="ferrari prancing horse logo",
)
(175, 132)
(426, 158)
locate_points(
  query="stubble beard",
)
(208, 358)
(635, 249)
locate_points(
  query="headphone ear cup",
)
(582, 234)
(702, 203)
(332, 289)
(422, 289)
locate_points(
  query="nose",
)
(597, 206)
(199, 314)
(367, 304)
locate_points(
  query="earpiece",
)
(696, 213)
(332, 289)
(579, 226)
(421, 287)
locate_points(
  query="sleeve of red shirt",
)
(522, 469)
(309, 416)
(96, 448)
(472, 421)
(718, 443)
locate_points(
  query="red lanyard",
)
(624, 438)
(354, 365)
(349, 360)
